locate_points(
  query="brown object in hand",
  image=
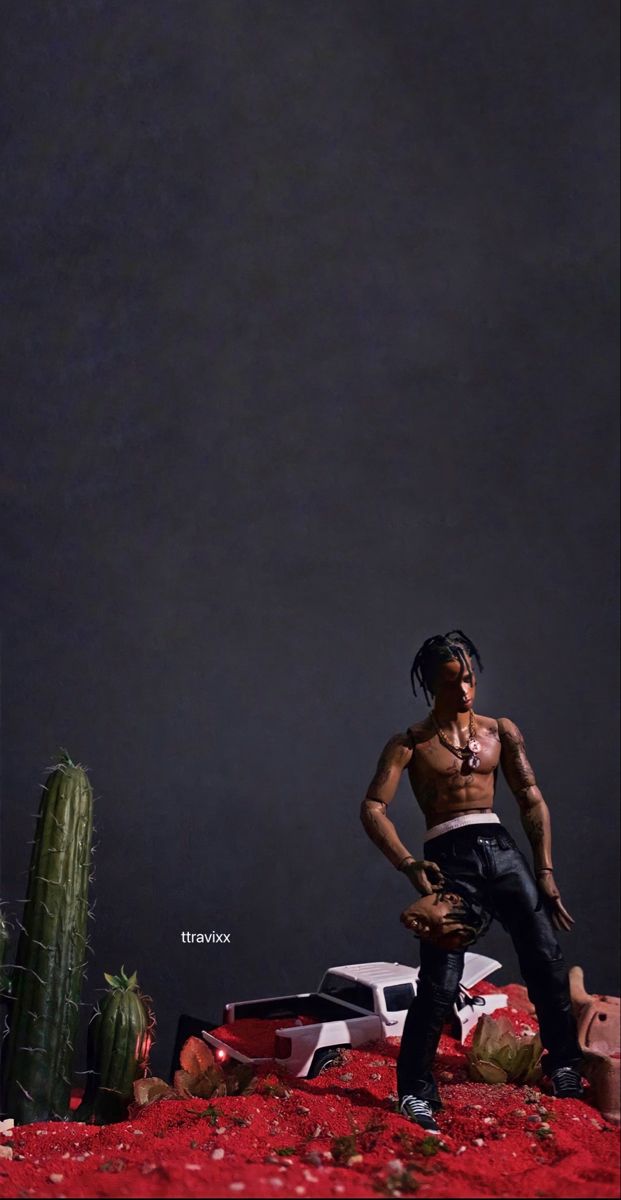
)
(440, 918)
(597, 1019)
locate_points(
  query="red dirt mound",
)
(337, 1135)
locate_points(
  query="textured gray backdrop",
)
(311, 354)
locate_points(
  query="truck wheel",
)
(323, 1059)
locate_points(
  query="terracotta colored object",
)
(597, 1019)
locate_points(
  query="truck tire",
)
(323, 1059)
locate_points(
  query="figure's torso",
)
(441, 783)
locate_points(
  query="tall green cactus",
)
(50, 956)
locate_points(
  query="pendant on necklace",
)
(473, 761)
(473, 745)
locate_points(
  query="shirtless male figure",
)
(452, 759)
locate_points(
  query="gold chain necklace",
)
(469, 754)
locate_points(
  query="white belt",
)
(462, 819)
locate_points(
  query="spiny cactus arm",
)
(5, 940)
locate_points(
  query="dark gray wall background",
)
(311, 323)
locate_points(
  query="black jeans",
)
(484, 864)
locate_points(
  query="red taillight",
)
(282, 1046)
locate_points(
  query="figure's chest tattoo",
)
(435, 771)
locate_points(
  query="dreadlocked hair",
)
(439, 649)
(475, 919)
(468, 918)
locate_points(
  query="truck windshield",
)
(348, 990)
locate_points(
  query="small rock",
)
(6, 1151)
(138, 1132)
(461, 1150)
(395, 1164)
(237, 1186)
(310, 1178)
(489, 1120)
(302, 1110)
(217, 1153)
(55, 1178)
(192, 1166)
(314, 1158)
(276, 1182)
(347, 1076)
(300, 1189)
(375, 1075)
(479, 1142)
(353, 1159)
(221, 1129)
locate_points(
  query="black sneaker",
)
(419, 1111)
(566, 1083)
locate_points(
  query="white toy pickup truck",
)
(354, 1004)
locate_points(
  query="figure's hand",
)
(561, 919)
(425, 875)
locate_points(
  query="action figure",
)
(452, 758)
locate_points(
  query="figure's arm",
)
(382, 789)
(534, 814)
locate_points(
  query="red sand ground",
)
(503, 1141)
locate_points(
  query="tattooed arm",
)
(534, 813)
(382, 789)
(520, 776)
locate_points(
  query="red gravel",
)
(494, 1140)
(256, 1037)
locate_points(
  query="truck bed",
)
(254, 1037)
(312, 1008)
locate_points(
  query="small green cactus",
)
(120, 1036)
